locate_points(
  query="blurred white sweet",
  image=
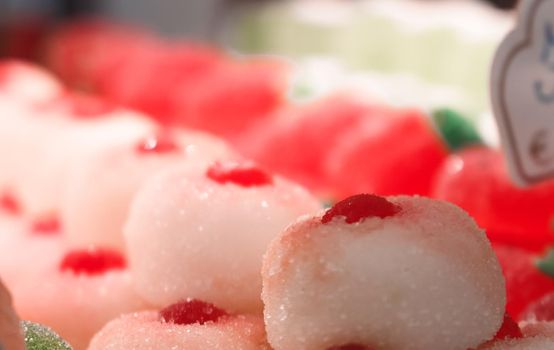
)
(74, 292)
(396, 273)
(187, 325)
(28, 83)
(101, 186)
(202, 234)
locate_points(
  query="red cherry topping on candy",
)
(508, 330)
(161, 143)
(9, 204)
(350, 347)
(93, 261)
(191, 311)
(245, 175)
(359, 207)
(46, 226)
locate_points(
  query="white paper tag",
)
(522, 89)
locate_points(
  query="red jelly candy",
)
(245, 175)
(161, 143)
(46, 226)
(92, 261)
(9, 204)
(540, 310)
(359, 207)
(508, 330)
(477, 180)
(191, 311)
(350, 347)
(525, 283)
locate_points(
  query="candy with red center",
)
(419, 275)
(246, 175)
(205, 238)
(92, 261)
(91, 287)
(99, 190)
(146, 331)
(525, 283)
(477, 180)
(191, 311)
(359, 207)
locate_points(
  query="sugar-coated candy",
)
(40, 337)
(28, 83)
(101, 187)
(385, 273)
(78, 294)
(10, 335)
(186, 325)
(202, 234)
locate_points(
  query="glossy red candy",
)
(191, 311)
(245, 175)
(393, 152)
(359, 207)
(477, 180)
(525, 283)
(95, 261)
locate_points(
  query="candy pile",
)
(121, 230)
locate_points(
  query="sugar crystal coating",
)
(246, 175)
(409, 281)
(39, 337)
(204, 239)
(92, 261)
(191, 311)
(359, 207)
(144, 331)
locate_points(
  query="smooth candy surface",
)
(39, 337)
(408, 281)
(205, 239)
(145, 331)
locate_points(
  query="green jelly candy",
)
(39, 337)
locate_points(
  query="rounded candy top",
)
(359, 207)
(94, 261)
(191, 311)
(245, 175)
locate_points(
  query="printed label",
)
(522, 90)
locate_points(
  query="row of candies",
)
(81, 171)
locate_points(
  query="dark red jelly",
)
(359, 207)
(191, 311)
(245, 175)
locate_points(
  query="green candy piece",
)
(546, 264)
(457, 131)
(39, 337)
